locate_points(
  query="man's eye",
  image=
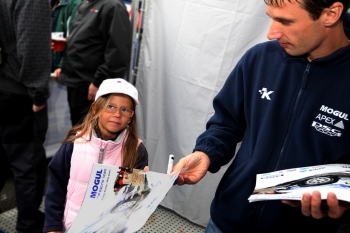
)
(123, 109)
(285, 22)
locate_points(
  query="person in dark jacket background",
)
(286, 102)
(25, 35)
(98, 47)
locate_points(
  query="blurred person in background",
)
(25, 38)
(98, 47)
(63, 12)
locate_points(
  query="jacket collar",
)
(342, 54)
(97, 133)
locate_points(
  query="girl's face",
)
(116, 116)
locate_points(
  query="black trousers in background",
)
(41, 119)
(78, 102)
(18, 147)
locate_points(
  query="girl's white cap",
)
(117, 85)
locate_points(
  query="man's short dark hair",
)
(314, 7)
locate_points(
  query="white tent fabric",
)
(188, 49)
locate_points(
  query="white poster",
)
(120, 200)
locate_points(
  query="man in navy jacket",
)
(286, 101)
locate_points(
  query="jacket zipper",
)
(100, 155)
(303, 86)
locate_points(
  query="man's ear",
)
(333, 14)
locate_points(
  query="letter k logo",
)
(265, 94)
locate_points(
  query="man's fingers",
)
(56, 74)
(179, 180)
(37, 108)
(316, 203)
(334, 210)
(91, 97)
(313, 205)
(195, 165)
(306, 204)
(180, 165)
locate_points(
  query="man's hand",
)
(92, 92)
(311, 205)
(38, 108)
(197, 165)
(56, 74)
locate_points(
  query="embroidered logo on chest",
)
(265, 94)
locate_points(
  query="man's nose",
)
(274, 32)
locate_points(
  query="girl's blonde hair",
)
(129, 147)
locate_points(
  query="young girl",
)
(107, 135)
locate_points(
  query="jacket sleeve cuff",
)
(39, 96)
(53, 227)
(97, 82)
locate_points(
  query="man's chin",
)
(293, 53)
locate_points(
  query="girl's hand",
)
(146, 169)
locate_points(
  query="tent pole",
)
(134, 9)
(141, 6)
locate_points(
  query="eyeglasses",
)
(123, 111)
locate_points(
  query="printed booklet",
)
(290, 184)
(120, 200)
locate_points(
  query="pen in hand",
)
(170, 164)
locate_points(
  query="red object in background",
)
(138, 17)
(58, 45)
(121, 176)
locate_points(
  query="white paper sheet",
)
(120, 201)
(291, 184)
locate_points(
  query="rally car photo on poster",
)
(331, 180)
